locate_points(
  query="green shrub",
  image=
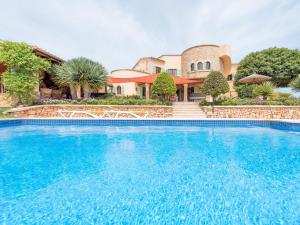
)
(251, 101)
(245, 90)
(215, 84)
(266, 90)
(284, 95)
(295, 84)
(22, 76)
(164, 86)
(130, 100)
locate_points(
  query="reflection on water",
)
(154, 174)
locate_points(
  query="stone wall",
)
(202, 54)
(6, 101)
(48, 111)
(254, 112)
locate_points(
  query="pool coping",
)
(153, 119)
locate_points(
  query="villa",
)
(189, 69)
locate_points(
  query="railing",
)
(106, 114)
(197, 96)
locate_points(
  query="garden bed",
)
(249, 101)
(131, 100)
(52, 111)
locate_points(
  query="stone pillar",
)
(185, 92)
(147, 91)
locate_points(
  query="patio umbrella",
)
(254, 79)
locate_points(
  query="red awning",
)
(150, 79)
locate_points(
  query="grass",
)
(2, 110)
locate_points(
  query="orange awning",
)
(150, 79)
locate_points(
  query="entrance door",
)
(179, 93)
(143, 92)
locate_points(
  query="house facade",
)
(193, 64)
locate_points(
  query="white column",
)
(147, 91)
(185, 92)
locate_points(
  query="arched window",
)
(193, 67)
(207, 65)
(230, 77)
(119, 90)
(200, 66)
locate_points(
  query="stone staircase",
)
(188, 110)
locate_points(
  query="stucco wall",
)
(127, 73)
(147, 64)
(127, 89)
(48, 111)
(234, 69)
(254, 112)
(172, 62)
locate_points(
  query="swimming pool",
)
(149, 172)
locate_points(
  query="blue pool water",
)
(149, 174)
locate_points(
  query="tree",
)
(215, 84)
(266, 89)
(80, 73)
(295, 84)
(282, 64)
(21, 79)
(164, 86)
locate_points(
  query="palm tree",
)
(265, 89)
(80, 74)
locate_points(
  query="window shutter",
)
(178, 72)
(122, 90)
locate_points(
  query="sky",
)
(117, 33)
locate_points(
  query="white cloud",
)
(116, 33)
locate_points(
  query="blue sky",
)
(118, 32)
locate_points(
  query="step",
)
(188, 117)
(186, 107)
(188, 113)
(186, 110)
(184, 104)
(176, 114)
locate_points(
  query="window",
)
(193, 67)
(200, 66)
(229, 77)
(157, 69)
(172, 71)
(119, 90)
(207, 65)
